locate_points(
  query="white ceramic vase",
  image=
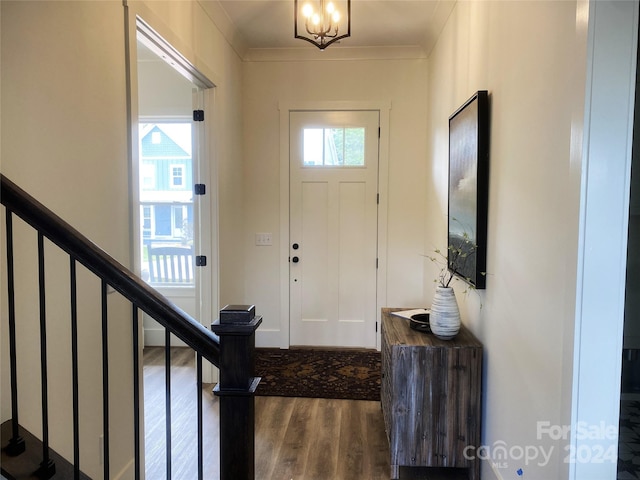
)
(445, 314)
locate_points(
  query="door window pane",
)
(333, 147)
(354, 146)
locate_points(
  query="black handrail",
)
(114, 273)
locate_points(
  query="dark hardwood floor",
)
(296, 438)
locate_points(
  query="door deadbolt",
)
(295, 246)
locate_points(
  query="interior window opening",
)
(166, 198)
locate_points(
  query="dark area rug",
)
(320, 373)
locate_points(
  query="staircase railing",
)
(231, 349)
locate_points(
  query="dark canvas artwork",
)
(468, 189)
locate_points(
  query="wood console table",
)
(431, 394)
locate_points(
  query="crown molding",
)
(225, 25)
(441, 14)
(307, 54)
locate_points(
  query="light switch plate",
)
(264, 239)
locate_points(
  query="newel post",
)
(236, 389)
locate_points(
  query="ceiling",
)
(268, 24)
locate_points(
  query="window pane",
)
(313, 146)
(187, 226)
(177, 212)
(333, 147)
(148, 176)
(178, 221)
(354, 146)
(146, 221)
(163, 220)
(335, 153)
(166, 196)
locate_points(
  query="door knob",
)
(295, 259)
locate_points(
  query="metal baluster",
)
(136, 395)
(16, 443)
(105, 382)
(199, 394)
(47, 466)
(167, 379)
(74, 368)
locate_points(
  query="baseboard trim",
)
(269, 339)
(487, 466)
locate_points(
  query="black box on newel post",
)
(237, 314)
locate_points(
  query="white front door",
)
(333, 227)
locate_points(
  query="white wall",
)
(162, 91)
(64, 139)
(268, 84)
(529, 57)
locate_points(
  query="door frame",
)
(601, 154)
(281, 337)
(137, 20)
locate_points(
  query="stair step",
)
(25, 466)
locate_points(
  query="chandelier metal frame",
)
(327, 33)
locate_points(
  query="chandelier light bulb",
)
(307, 10)
(315, 19)
(330, 7)
(336, 16)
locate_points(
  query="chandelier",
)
(322, 25)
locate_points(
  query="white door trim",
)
(383, 188)
(604, 156)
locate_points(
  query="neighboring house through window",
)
(148, 176)
(166, 181)
(177, 176)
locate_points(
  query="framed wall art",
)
(469, 189)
